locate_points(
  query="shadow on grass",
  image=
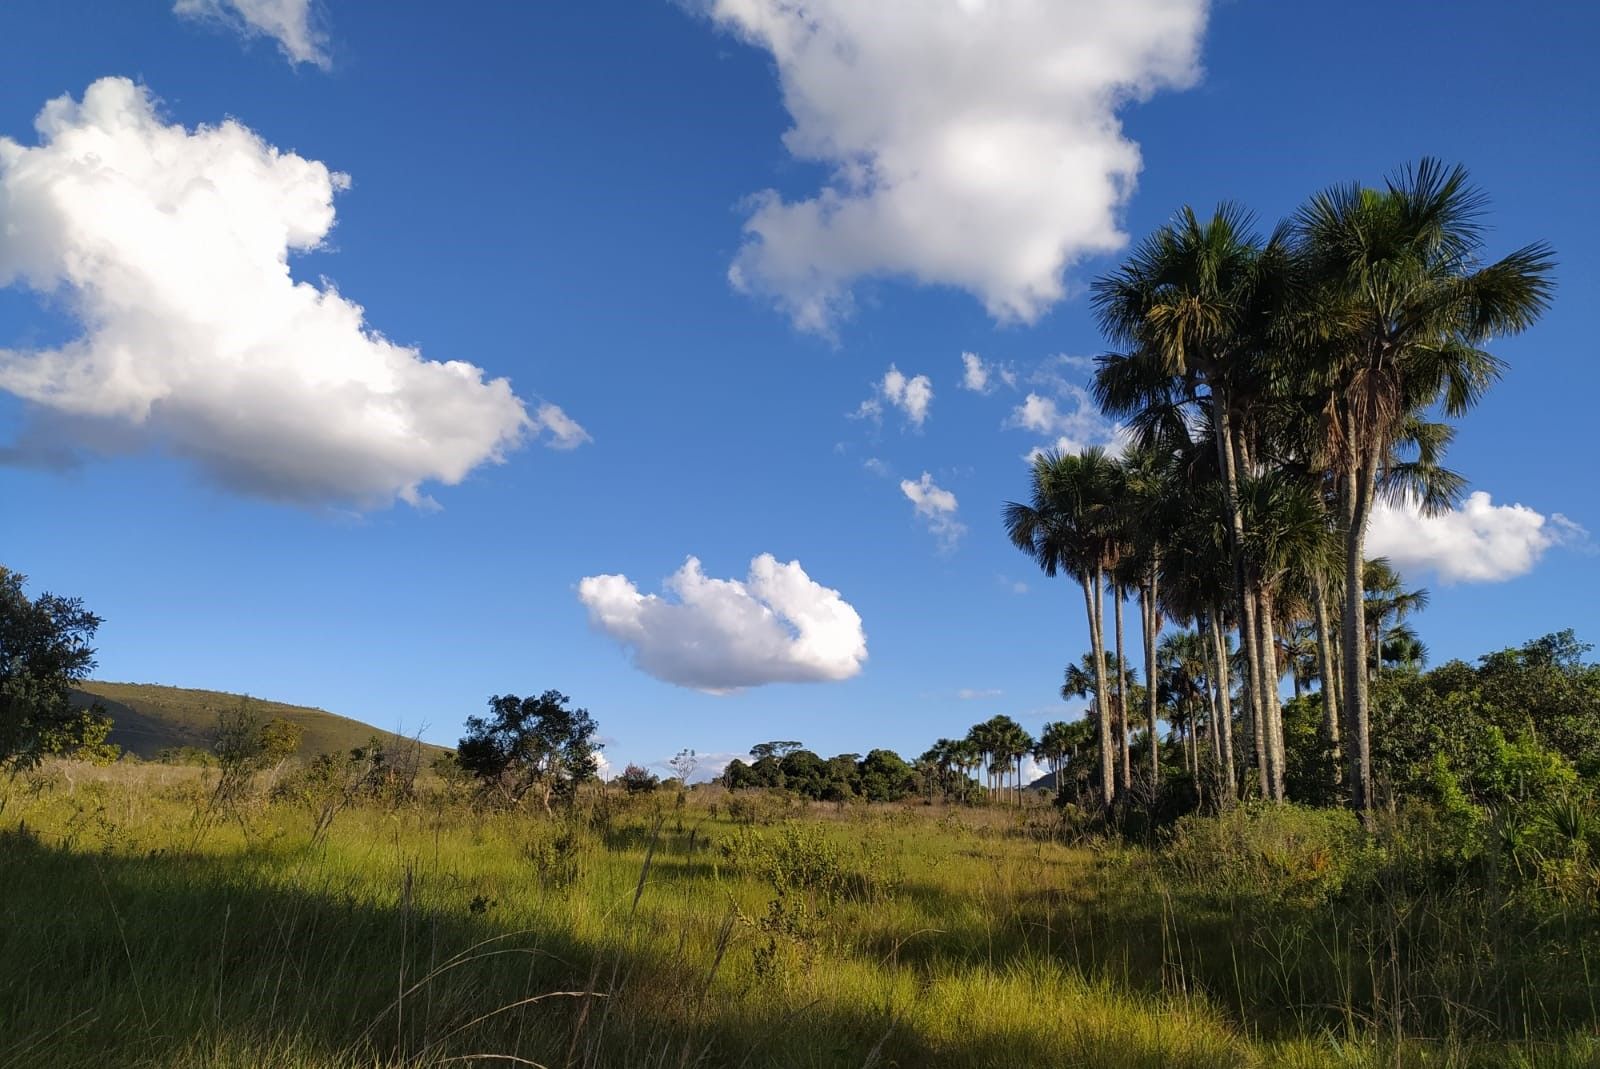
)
(282, 958)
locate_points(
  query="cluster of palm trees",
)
(995, 747)
(1272, 390)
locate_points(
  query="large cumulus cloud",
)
(722, 635)
(969, 143)
(170, 247)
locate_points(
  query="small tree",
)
(244, 745)
(683, 765)
(526, 746)
(639, 780)
(44, 652)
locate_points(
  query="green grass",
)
(724, 932)
(148, 718)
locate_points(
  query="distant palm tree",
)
(1066, 528)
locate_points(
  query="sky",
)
(680, 356)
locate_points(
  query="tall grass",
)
(719, 932)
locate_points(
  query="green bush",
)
(1284, 854)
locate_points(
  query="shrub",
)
(1284, 854)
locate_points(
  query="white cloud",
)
(979, 375)
(937, 507)
(877, 467)
(1478, 542)
(968, 694)
(171, 247)
(974, 375)
(1075, 429)
(971, 143)
(707, 766)
(564, 430)
(722, 635)
(912, 396)
(292, 23)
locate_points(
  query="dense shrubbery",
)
(881, 776)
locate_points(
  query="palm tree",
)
(967, 758)
(1015, 744)
(1400, 308)
(1149, 495)
(1194, 307)
(983, 741)
(1287, 525)
(1386, 607)
(1182, 664)
(1065, 528)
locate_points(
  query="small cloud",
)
(968, 694)
(707, 766)
(564, 430)
(877, 467)
(937, 507)
(979, 376)
(912, 396)
(1015, 586)
(1075, 428)
(292, 23)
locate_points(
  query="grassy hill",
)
(149, 718)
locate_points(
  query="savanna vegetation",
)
(1278, 838)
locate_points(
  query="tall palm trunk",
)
(1224, 686)
(1124, 768)
(1213, 715)
(1227, 453)
(1091, 599)
(1326, 671)
(1358, 489)
(1148, 610)
(1271, 710)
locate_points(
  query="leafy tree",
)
(885, 777)
(779, 749)
(530, 746)
(44, 652)
(637, 779)
(844, 778)
(804, 773)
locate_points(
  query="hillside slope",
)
(149, 718)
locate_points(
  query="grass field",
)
(735, 931)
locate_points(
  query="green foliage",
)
(885, 777)
(637, 779)
(797, 857)
(1267, 853)
(529, 746)
(558, 854)
(44, 652)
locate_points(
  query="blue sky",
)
(555, 194)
